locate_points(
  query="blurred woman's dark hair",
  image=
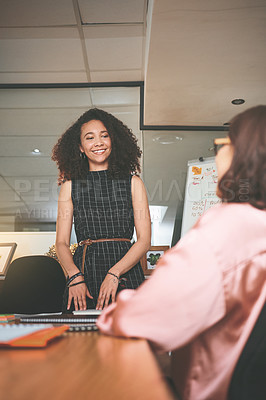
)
(125, 154)
(245, 181)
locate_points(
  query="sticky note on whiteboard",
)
(196, 170)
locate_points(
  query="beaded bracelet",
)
(121, 281)
(74, 277)
(110, 273)
(78, 283)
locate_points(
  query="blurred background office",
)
(175, 71)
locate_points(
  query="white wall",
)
(29, 243)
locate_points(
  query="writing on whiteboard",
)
(200, 194)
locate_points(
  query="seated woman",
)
(204, 297)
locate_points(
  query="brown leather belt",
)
(89, 242)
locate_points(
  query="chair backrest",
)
(249, 377)
(33, 284)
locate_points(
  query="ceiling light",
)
(36, 151)
(167, 139)
(237, 102)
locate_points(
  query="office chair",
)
(249, 377)
(33, 285)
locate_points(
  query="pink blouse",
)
(202, 300)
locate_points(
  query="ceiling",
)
(72, 41)
(202, 55)
(193, 57)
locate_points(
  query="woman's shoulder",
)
(137, 184)
(66, 185)
(65, 190)
(233, 212)
(136, 179)
(232, 226)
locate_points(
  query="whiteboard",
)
(200, 192)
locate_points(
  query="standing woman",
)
(98, 158)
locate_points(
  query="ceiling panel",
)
(43, 77)
(36, 12)
(123, 53)
(24, 55)
(113, 31)
(115, 96)
(115, 11)
(35, 55)
(62, 32)
(117, 76)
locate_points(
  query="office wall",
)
(29, 243)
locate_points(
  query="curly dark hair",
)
(124, 157)
(245, 181)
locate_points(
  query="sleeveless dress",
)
(102, 208)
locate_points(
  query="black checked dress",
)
(102, 208)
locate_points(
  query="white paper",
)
(11, 332)
(87, 312)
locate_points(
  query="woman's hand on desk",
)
(107, 291)
(78, 293)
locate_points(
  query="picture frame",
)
(149, 261)
(7, 251)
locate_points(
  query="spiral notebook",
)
(78, 317)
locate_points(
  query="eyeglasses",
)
(220, 142)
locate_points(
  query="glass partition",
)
(32, 119)
(165, 158)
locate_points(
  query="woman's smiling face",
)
(96, 144)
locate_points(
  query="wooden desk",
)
(82, 366)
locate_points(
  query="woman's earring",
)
(82, 155)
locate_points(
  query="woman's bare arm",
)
(140, 247)
(79, 292)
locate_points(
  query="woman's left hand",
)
(108, 290)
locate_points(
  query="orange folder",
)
(36, 339)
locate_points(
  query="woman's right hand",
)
(78, 294)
